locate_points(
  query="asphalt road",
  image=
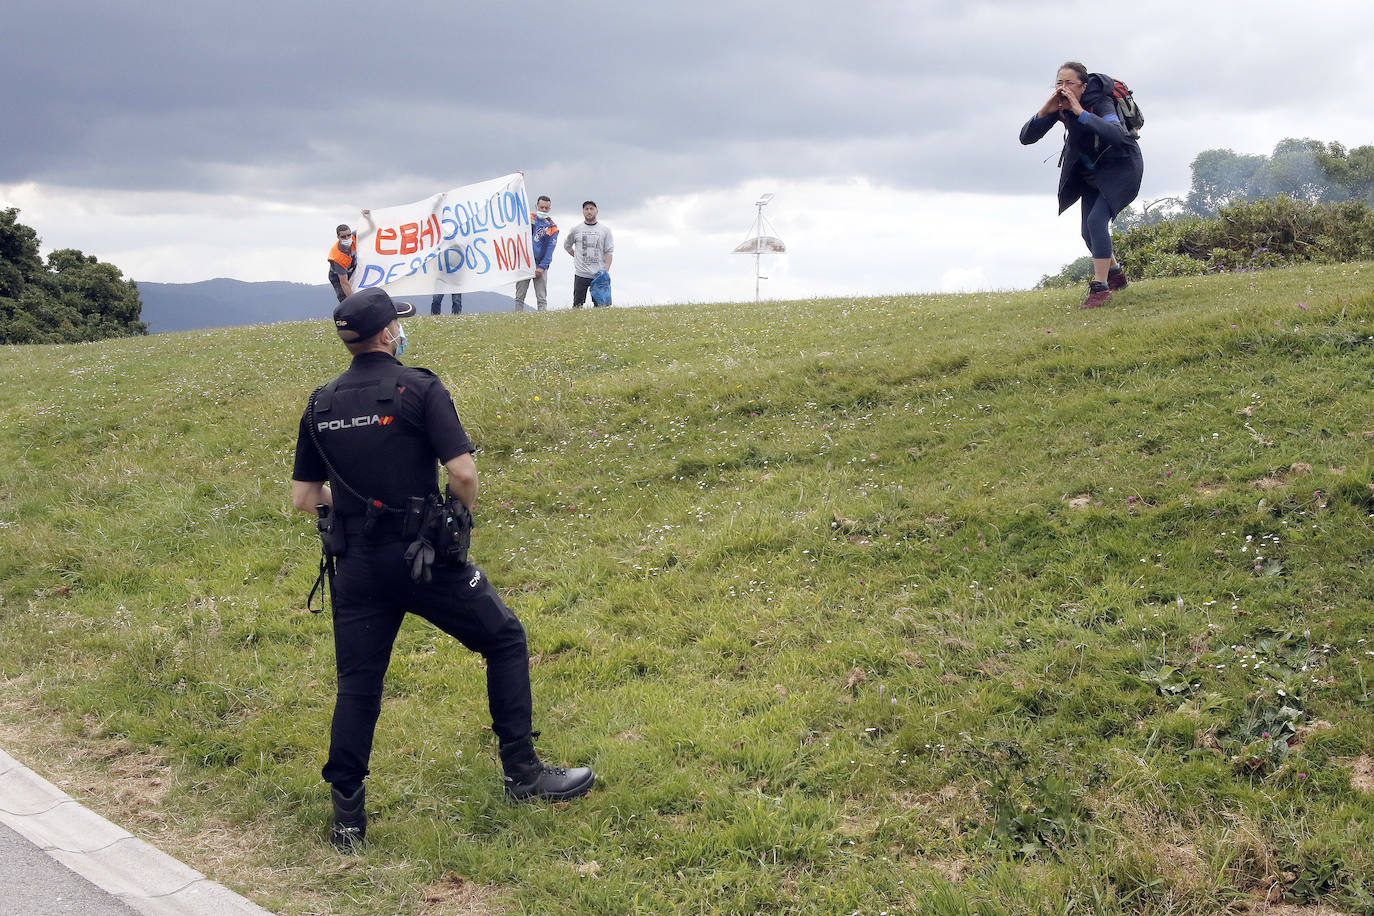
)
(33, 883)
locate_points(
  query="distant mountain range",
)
(225, 303)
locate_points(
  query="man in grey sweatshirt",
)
(591, 245)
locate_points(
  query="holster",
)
(332, 544)
(442, 532)
(332, 538)
(455, 535)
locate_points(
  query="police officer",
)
(368, 442)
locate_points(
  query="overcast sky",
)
(185, 141)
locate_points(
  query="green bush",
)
(1072, 274)
(1258, 235)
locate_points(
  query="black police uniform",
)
(385, 429)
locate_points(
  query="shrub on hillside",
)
(1072, 274)
(1257, 235)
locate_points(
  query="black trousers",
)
(580, 287)
(455, 300)
(372, 594)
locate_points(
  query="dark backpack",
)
(1126, 108)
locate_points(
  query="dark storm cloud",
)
(312, 101)
(318, 102)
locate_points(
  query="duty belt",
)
(388, 527)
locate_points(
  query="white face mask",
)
(400, 339)
(540, 214)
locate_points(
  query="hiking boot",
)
(1116, 279)
(350, 820)
(1098, 294)
(528, 777)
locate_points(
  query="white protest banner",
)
(473, 237)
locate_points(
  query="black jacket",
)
(386, 428)
(1116, 164)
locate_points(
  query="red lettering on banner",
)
(430, 232)
(505, 253)
(385, 235)
(511, 252)
(410, 238)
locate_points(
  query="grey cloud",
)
(327, 102)
(161, 95)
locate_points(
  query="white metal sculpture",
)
(758, 243)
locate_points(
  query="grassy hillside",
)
(958, 604)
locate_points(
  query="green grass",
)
(932, 604)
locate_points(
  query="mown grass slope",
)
(929, 604)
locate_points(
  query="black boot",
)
(350, 820)
(528, 777)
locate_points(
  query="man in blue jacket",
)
(545, 241)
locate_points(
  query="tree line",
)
(68, 298)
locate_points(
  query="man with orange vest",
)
(342, 261)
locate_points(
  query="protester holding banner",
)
(545, 235)
(592, 246)
(476, 237)
(342, 261)
(455, 300)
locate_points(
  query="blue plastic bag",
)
(601, 288)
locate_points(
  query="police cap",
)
(365, 313)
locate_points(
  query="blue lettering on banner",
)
(502, 209)
(368, 278)
(448, 220)
(457, 258)
(515, 207)
(465, 218)
(472, 222)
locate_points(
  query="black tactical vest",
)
(357, 425)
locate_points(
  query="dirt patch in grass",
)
(1306, 730)
(1361, 771)
(1261, 905)
(1200, 643)
(1167, 845)
(105, 772)
(452, 894)
(1137, 834)
(1282, 478)
(949, 807)
(257, 860)
(130, 788)
(856, 677)
(952, 870)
